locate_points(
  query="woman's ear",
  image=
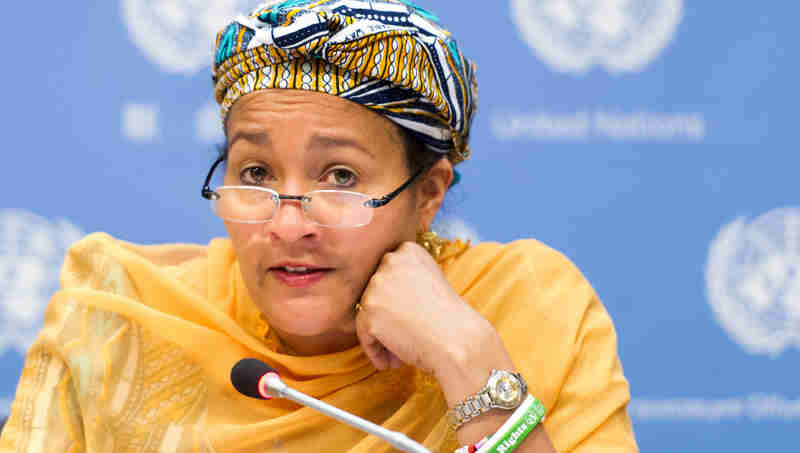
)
(431, 191)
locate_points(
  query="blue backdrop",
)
(652, 141)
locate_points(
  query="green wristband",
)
(513, 433)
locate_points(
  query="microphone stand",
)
(399, 440)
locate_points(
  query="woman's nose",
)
(290, 222)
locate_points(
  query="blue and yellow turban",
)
(388, 55)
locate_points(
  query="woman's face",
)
(295, 142)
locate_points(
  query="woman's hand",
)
(410, 314)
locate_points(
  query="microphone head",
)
(246, 377)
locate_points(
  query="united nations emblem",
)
(753, 281)
(32, 250)
(575, 35)
(178, 35)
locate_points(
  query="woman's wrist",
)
(466, 366)
(464, 370)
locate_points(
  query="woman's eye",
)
(254, 175)
(341, 177)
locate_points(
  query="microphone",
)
(256, 379)
(248, 376)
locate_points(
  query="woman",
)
(338, 117)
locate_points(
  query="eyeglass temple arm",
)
(207, 193)
(383, 201)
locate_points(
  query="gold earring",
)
(431, 242)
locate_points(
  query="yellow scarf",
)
(146, 337)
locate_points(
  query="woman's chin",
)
(315, 337)
(307, 318)
(306, 328)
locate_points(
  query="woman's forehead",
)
(316, 119)
(317, 141)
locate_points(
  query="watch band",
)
(470, 408)
(482, 402)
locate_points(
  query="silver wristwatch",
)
(505, 390)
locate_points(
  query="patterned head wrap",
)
(388, 55)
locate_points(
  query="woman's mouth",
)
(299, 276)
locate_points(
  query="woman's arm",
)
(410, 314)
(468, 373)
(590, 413)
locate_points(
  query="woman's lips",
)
(299, 280)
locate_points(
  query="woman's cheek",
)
(361, 256)
(241, 234)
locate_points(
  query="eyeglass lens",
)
(324, 207)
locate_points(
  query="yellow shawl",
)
(137, 348)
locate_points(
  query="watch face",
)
(505, 390)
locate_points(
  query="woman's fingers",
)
(394, 361)
(377, 353)
(381, 357)
(372, 347)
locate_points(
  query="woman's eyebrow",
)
(257, 138)
(322, 141)
(318, 141)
